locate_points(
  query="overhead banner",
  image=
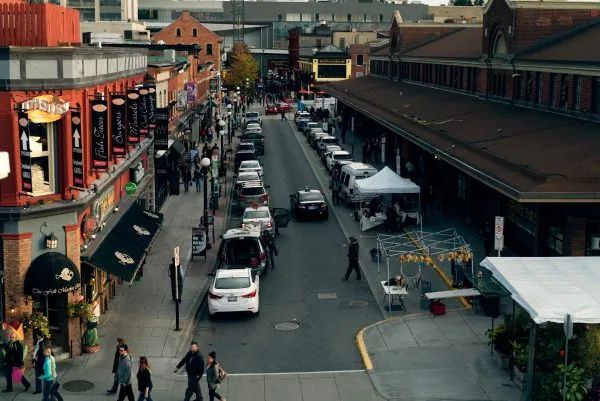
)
(152, 106)
(133, 134)
(181, 100)
(77, 149)
(161, 132)
(190, 88)
(26, 184)
(99, 133)
(118, 136)
(143, 103)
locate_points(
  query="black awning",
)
(118, 255)
(139, 225)
(177, 146)
(51, 273)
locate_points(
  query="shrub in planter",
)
(37, 321)
(576, 389)
(589, 349)
(500, 340)
(519, 355)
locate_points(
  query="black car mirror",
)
(211, 274)
(267, 186)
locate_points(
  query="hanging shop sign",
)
(104, 205)
(45, 108)
(130, 188)
(26, 184)
(118, 133)
(152, 106)
(77, 149)
(99, 133)
(190, 88)
(181, 100)
(161, 132)
(143, 111)
(133, 134)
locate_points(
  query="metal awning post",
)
(378, 254)
(388, 281)
(528, 389)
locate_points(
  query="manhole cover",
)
(358, 304)
(287, 326)
(78, 386)
(326, 295)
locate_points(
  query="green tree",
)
(242, 66)
(461, 3)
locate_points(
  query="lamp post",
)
(222, 134)
(205, 163)
(229, 123)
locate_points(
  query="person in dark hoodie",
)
(194, 367)
(115, 385)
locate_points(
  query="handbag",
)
(17, 375)
(221, 374)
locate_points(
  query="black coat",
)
(116, 360)
(194, 364)
(144, 380)
(39, 359)
(14, 355)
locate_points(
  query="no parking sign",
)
(499, 233)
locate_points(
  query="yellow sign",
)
(328, 61)
(45, 108)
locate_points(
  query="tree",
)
(459, 3)
(242, 66)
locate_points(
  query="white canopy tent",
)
(386, 181)
(549, 287)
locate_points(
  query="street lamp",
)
(205, 162)
(229, 124)
(222, 134)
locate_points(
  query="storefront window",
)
(49, 306)
(555, 239)
(522, 216)
(41, 142)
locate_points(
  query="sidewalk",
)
(445, 358)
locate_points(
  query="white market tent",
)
(549, 287)
(386, 182)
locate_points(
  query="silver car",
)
(258, 216)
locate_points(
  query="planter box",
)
(91, 350)
(501, 359)
(518, 377)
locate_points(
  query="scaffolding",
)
(237, 9)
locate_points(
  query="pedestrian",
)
(176, 272)
(271, 248)
(115, 385)
(186, 175)
(38, 359)
(212, 374)
(194, 367)
(124, 374)
(352, 259)
(144, 377)
(486, 233)
(335, 190)
(365, 152)
(198, 179)
(48, 376)
(283, 117)
(15, 357)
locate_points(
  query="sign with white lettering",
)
(77, 149)
(176, 255)
(143, 103)
(26, 184)
(118, 133)
(133, 134)
(99, 133)
(161, 132)
(152, 106)
(198, 242)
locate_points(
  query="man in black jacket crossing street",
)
(194, 367)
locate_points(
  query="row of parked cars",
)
(343, 169)
(243, 255)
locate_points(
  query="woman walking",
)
(144, 380)
(49, 377)
(38, 360)
(212, 373)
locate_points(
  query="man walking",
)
(271, 248)
(124, 374)
(335, 188)
(194, 367)
(352, 259)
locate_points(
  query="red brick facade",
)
(360, 60)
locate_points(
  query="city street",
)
(305, 289)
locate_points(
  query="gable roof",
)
(459, 43)
(381, 51)
(185, 22)
(330, 49)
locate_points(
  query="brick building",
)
(74, 146)
(498, 118)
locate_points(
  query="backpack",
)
(221, 374)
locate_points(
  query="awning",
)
(177, 146)
(123, 250)
(51, 273)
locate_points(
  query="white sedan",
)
(336, 155)
(258, 216)
(251, 165)
(234, 290)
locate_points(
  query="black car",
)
(307, 203)
(257, 139)
(244, 154)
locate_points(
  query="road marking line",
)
(318, 372)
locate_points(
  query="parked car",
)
(251, 165)
(308, 203)
(329, 148)
(253, 127)
(335, 156)
(241, 179)
(258, 216)
(246, 153)
(234, 290)
(257, 139)
(253, 192)
(271, 109)
(303, 119)
(252, 116)
(243, 248)
(309, 125)
(315, 135)
(325, 141)
(351, 173)
(285, 107)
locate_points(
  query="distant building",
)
(326, 65)
(456, 14)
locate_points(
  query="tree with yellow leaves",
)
(242, 66)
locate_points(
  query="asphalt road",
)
(306, 287)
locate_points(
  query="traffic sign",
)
(499, 233)
(176, 255)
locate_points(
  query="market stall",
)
(387, 182)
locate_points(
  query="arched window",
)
(499, 48)
(178, 32)
(194, 32)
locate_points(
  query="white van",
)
(349, 175)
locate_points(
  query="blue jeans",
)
(142, 393)
(47, 394)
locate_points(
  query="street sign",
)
(176, 255)
(210, 219)
(499, 233)
(130, 188)
(198, 242)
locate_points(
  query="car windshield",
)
(250, 164)
(252, 135)
(246, 146)
(253, 191)
(256, 214)
(252, 114)
(310, 197)
(253, 126)
(248, 177)
(232, 283)
(327, 141)
(342, 156)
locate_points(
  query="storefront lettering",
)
(63, 290)
(77, 149)
(132, 117)
(99, 133)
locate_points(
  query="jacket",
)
(353, 252)
(39, 358)
(116, 360)
(49, 369)
(124, 370)
(194, 364)
(14, 355)
(212, 373)
(144, 380)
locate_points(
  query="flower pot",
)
(91, 349)
(518, 377)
